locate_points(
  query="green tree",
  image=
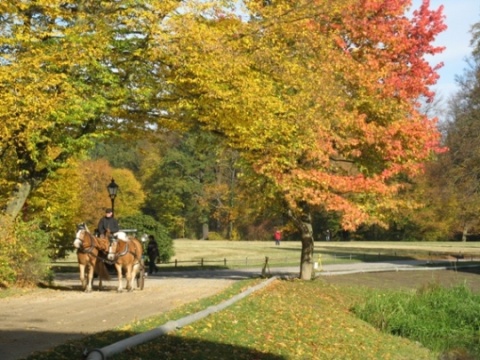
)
(458, 170)
(183, 188)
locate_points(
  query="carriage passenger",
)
(108, 224)
(152, 251)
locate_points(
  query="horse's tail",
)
(102, 270)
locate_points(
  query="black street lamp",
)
(112, 192)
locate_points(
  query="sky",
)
(460, 16)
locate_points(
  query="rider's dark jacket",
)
(108, 223)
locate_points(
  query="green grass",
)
(442, 319)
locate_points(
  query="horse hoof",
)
(119, 290)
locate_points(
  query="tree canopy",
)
(319, 98)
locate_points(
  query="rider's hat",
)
(108, 210)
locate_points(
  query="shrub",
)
(148, 225)
(212, 235)
(24, 255)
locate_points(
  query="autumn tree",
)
(67, 73)
(56, 206)
(319, 97)
(94, 198)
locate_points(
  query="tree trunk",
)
(306, 257)
(205, 231)
(465, 233)
(18, 199)
(13, 208)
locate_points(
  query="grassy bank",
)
(444, 320)
(287, 320)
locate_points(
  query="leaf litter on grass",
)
(288, 320)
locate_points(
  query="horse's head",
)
(83, 239)
(119, 236)
(79, 237)
(112, 251)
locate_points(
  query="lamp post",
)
(112, 192)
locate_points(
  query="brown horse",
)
(88, 250)
(126, 252)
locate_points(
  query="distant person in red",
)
(278, 237)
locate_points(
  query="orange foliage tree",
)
(320, 97)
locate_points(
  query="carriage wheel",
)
(141, 275)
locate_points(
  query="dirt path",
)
(49, 317)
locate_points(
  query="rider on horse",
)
(108, 224)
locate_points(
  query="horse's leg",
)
(135, 271)
(129, 277)
(82, 276)
(91, 269)
(119, 273)
(101, 273)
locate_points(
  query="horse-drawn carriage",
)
(125, 252)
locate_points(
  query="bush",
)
(23, 257)
(212, 235)
(148, 225)
(441, 319)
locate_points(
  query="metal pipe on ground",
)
(115, 348)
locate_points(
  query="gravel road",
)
(46, 318)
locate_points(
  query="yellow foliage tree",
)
(94, 198)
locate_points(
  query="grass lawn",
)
(237, 254)
(239, 250)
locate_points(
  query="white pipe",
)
(103, 353)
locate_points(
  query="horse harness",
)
(126, 251)
(90, 249)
